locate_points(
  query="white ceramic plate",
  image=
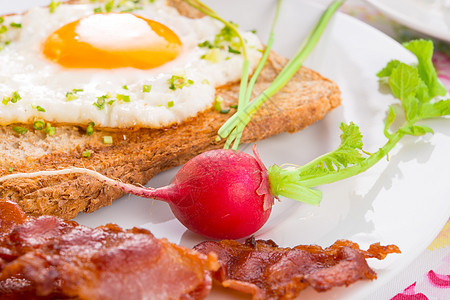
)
(404, 201)
(430, 17)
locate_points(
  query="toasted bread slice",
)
(135, 156)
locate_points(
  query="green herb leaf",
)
(424, 52)
(179, 82)
(49, 129)
(403, 82)
(107, 139)
(218, 103)
(124, 98)
(71, 96)
(3, 29)
(39, 124)
(146, 88)
(387, 71)
(15, 97)
(38, 108)
(20, 130)
(101, 101)
(231, 50)
(436, 109)
(389, 120)
(86, 153)
(90, 128)
(416, 130)
(348, 153)
(53, 5)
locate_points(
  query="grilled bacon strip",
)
(48, 257)
(266, 271)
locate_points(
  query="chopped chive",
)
(16, 25)
(10, 169)
(15, 97)
(20, 130)
(101, 101)
(107, 139)
(53, 5)
(231, 50)
(218, 103)
(213, 56)
(49, 129)
(206, 44)
(86, 153)
(39, 125)
(38, 108)
(109, 5)
(146, 88)
(3, 29)
(233, 128)
(170, 104)
(71, 96)
(125, 87)
(2, 20)
(98, 10)
(124, 98)
(179, 82)
(90, 128)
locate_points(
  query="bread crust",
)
(137, 155)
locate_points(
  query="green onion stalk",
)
(234, 127)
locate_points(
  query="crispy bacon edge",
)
(266, 271)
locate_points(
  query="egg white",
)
(40, 82)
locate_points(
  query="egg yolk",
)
(112, 40)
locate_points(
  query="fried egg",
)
(141, 65)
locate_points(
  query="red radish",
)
(220, 194)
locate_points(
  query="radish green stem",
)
(236, 135)
(241, 118)
(350, 171)
(265, 56)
